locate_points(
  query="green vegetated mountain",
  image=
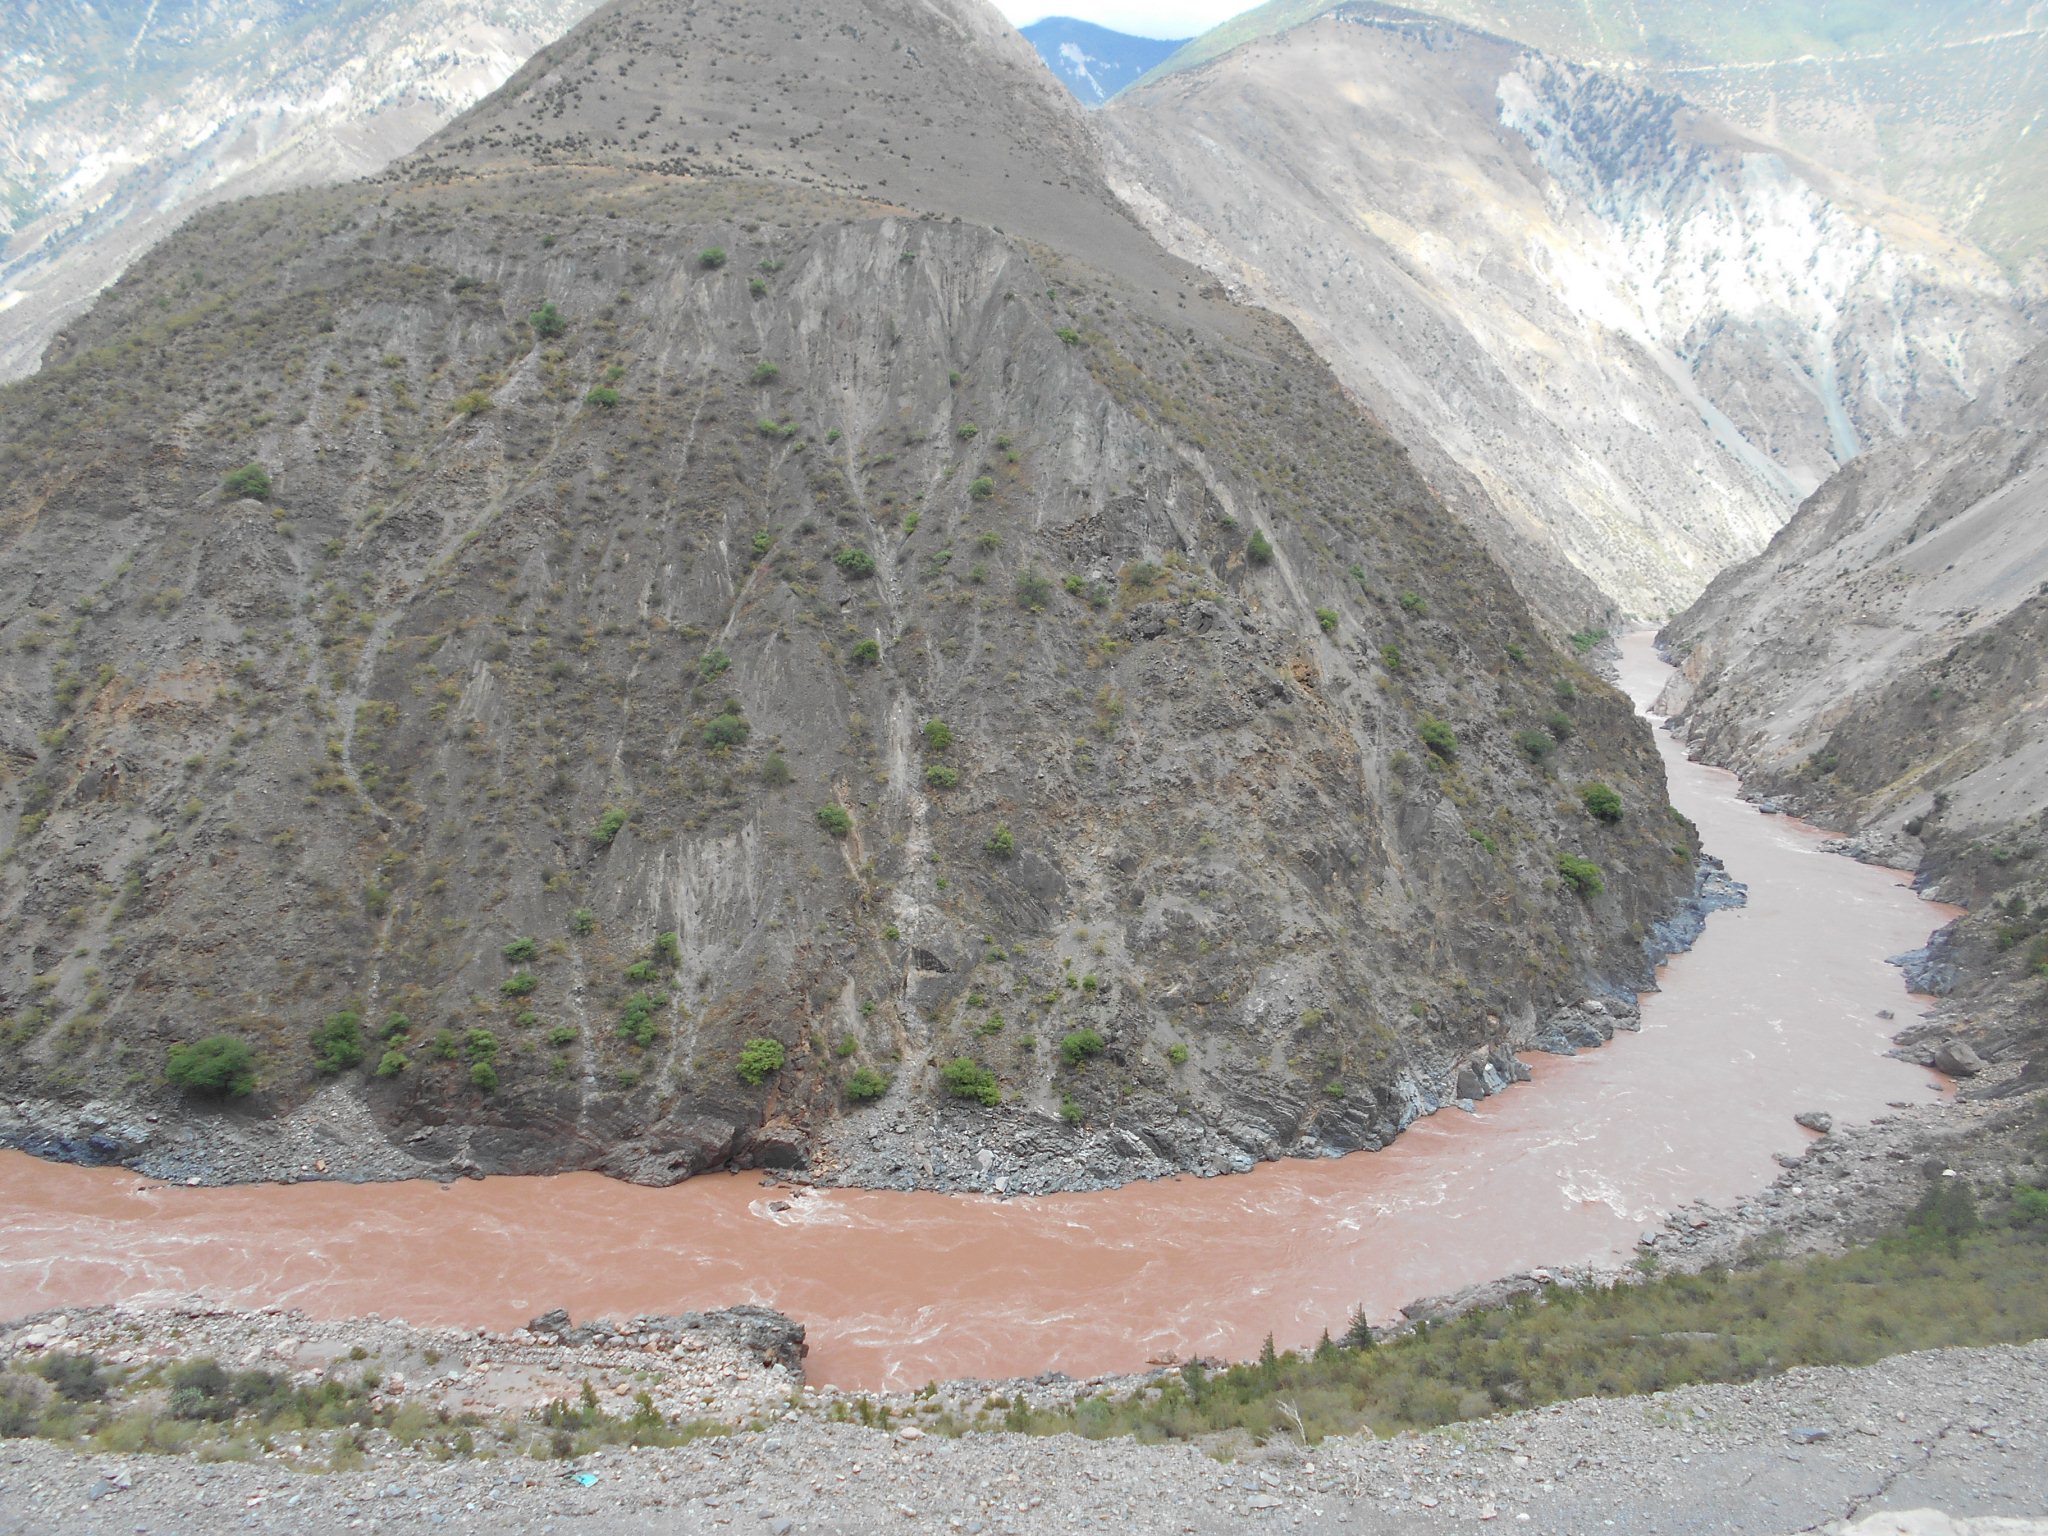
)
(1884, 665)
(1095, 62)
(1617, 329)
(736, 581)
(1938, 102)
(119, 117)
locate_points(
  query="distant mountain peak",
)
(1094, 62)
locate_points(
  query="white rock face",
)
(119, 119)
(1643, 334)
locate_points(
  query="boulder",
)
(1957, 1059)
(1815, 1120)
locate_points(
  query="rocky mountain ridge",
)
(1641, 335)
(738, 583)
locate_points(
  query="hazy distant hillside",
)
(120, 117)
(1645, 334)
(1095, 62)
(1940, 102)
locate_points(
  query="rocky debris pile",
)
(761, 1332)
(727, 1367)
(1713, 890)
(1585, 1026)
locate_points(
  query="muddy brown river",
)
(1774, 1011)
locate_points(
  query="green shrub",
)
(966, 431)
(1537, 744)
(473, 403)
(603, 396)
(866, 653)
(1565, 689)
(219, 1065)
(249, 483)
(1518, 653)
(774, 771)
(1069, 335)
(1000, 842)
(519, 984)
(763, 542)
(1177, 1054)
(940, 776)
(1601, 801)
(1327, 619)
(1034, 590)
(548, 322)
(760, 1059)
(1390, 657)
(396, 1026)
(519, 950)
(643, 971)
(713, 664)
(937, 735)
(1080, 1044)
(981, 488)
(966, 1078)
(865, 1084)
(392, 1062)
(583, 921)
(766, 373)
(1584, 640)
(711, 258)
(445, 1045)
(1582, 875)
(338, 1043)
(1258, 548)
(1438, 737)
(855, 563)
(757, 286)
(561, 1035)
(1559, 724)
(1070, 1111)
(608, 825)
(835, 820)
(483, 1076)
(728, 728)
(75, 1378)
(636, 1018)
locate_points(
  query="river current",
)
(1774, 1011)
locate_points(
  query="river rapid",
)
(1774, 1011)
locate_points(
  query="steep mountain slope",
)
(1094, 62)
(1884, 663)
(1939, 102)
(118, 118)
(1644, 335)
(761, 548)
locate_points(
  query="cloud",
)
(1141, 18)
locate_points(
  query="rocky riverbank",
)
(1966, 1430)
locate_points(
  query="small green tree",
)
(728, 728)
(1601, 801)
(865, 1084)
(1034, 591)
(937, 735)
(1438, 737)
(760, 1059)
(1080, 1044)
(548, 322)
(220, 1066)
(1537, 744)
(835, 820)
(1326, 619)
(519, 951)
(866, 653)
(966, 1078)
(251, 483)
(855, 563)
(1258, 548)
(608, 825)
(1582, 875)
(711, 258)
(603, 396)
(338, 1043)
(1000, 842)
(981, 488)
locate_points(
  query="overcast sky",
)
(1144, 18)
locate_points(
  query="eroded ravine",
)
(1776, 1010)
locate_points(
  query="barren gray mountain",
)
(1884, 665)
(1643, 334)
(119, 118)
(738, 581)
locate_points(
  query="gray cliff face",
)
(911, 624)
(1638, 335)
(117, 120)
(1881, 665)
